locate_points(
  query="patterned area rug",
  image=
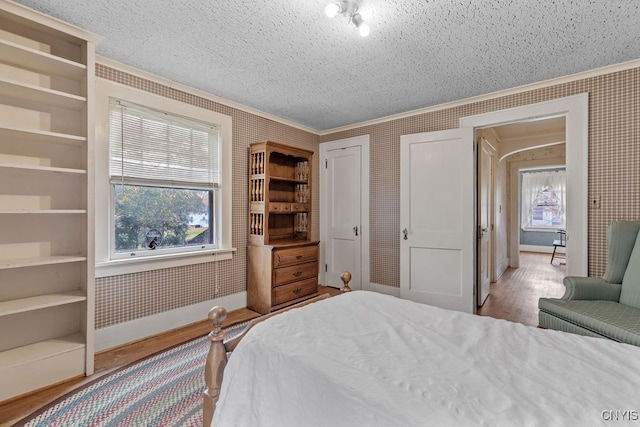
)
(161, 390)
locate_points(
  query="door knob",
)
(405, 232)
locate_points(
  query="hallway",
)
(515, 295)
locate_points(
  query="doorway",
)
(532, 145)
(344, 211)
(574, 110)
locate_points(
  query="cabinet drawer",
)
(283, 257)
(280, 207)
(294, 272)
(295, 290)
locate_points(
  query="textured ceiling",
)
(286, 58)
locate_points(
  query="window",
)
(110, 262)
(544, 200)
(165, 181)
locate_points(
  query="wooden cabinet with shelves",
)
(46, 200)
(282, 260)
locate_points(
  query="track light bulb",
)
(348, 8)
(332, 9)
(363, 28)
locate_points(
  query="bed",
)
(367, 359)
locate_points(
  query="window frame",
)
(139, 253)
(180, 176)
(539, 228)
(106, 265)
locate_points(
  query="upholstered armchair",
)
(603, 307)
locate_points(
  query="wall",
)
(613, 160)
(128, 297)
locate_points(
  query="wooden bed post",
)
(346, 278)
(214, 365)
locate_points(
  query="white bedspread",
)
(366, 359)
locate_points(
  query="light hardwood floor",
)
(513, 297)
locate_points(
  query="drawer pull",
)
(298, 273)
(297, 291)
(299, 257)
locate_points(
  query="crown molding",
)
(609, 69)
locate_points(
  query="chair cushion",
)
(630, 292)
(606, 318)
(621, 238)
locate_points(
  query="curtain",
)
(533, 183)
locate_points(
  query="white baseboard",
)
(133, 330)
(540, 249)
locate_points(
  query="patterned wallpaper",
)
(132, 296)
(613, 161)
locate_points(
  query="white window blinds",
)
(150, 146)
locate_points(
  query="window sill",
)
(543, 229)
(137, 265)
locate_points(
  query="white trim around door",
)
(575, 109)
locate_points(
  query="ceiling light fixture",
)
(349, 8)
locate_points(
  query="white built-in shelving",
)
(8, 132)
(35, 60)
(46, 200)
(54, 98)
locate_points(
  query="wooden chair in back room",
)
(560, 242)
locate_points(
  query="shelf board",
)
(33, 262)
(42, 169)
(281, 179)
(41, 301)
(290, 241)
(41, 350)
(42, 211)
(42, 136)
(42, 62)
(41, 95)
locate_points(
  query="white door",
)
(437, 218)
(484, 220)
(344, 231)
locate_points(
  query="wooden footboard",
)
(217, 356)
(219, 349)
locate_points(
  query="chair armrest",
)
(590, 288)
